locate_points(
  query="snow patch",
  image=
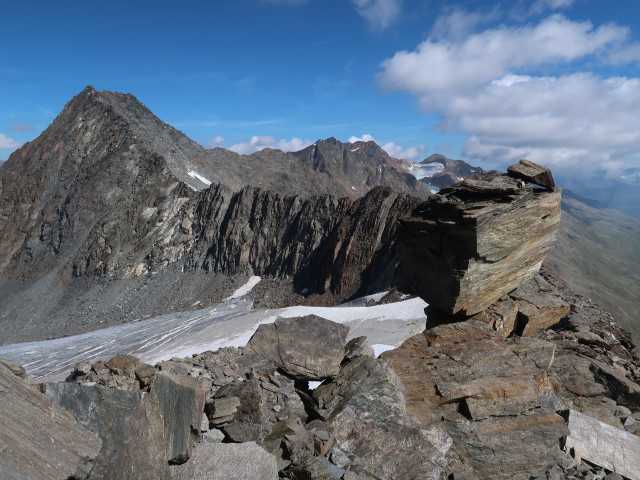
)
(379, 348)
(313, 384)
(404, 310)
(196, 175)
(246, 288)
(355, 149)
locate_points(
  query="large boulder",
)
(307, 348)
(40, 440)
(475, 242)
(129, 424)
(181, 400)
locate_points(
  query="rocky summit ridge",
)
(514, 377)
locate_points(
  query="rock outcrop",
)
(181, 400)
(476, 242)
(493, 398)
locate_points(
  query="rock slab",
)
(181, 401)
(40, 440)
(129, 424)
(307, 348)
(227, 461)
(604, 445)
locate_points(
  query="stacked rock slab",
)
(480, 239)
(491, 395)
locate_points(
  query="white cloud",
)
(216, 141)
(541, 5)
(395, 151)
(260, 142)
(458, 23)
(8, 142)
(488, 85)
(379, 14)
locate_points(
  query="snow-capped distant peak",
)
(196, 175)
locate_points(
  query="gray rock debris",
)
(40, 440)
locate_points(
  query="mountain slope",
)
(598, 254)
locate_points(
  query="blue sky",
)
(556, 81)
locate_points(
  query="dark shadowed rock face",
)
(480, 239)
(307, 348)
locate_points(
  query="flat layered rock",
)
(475, 242)
(129, 424)
(40, 440)
(227, 461)
(532, 172)
(604, 445)
(539, 306)
(307, 348)
(490, 394)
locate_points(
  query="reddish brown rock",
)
(491, 394)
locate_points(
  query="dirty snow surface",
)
(230, 323)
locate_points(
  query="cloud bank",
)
(8, 142)
(379, 14)
(493, 86)
(257, 143)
